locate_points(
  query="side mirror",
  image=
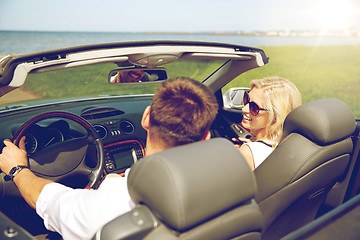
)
(233, 98)
(137, 75)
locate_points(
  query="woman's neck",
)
(260, 135)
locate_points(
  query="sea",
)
(16, 42)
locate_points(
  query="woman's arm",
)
(246, 151)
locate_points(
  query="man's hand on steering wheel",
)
(68, 158)
(12, 155)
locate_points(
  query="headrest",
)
(186, 185)
(323, 121)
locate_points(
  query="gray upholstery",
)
(294, 180)
(202, 190)
(324, 121)
(135, 224)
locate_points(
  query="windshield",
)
(92, 81)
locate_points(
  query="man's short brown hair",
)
(182, 111)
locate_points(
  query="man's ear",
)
(207, 136)
(145, 121)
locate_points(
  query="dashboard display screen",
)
(123, 159)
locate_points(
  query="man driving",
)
(181, 112)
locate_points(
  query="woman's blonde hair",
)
(281, 97)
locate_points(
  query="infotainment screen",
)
(124, 159)
(119, 156)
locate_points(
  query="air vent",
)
(101, 131)
(100, 112)
(127, 127)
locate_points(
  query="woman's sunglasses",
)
(253, 107)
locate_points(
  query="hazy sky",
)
(178, 16)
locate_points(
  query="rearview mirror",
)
(137, 75)
(233, 98)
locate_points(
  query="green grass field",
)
(92, 79)
(318, 71)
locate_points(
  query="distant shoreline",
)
(274, 33)
(304, 34)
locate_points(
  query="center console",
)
(121, 155)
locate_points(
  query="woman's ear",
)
(145, 121)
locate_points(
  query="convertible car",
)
(80, 109)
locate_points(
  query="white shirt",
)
(79, 213)
(260, 152)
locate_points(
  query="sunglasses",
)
(253, 107)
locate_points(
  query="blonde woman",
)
(266, 106)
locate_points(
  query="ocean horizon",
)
(15, 42)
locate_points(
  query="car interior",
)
(319, 154)
(90, 126)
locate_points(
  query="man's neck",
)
(153, 147)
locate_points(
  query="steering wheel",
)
(66, 158)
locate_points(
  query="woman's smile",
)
(246, 118)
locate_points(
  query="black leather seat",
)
(203, 190)
(294, 180)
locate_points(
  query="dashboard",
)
(117, 121)
(39, 137)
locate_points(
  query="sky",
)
(179, 16)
